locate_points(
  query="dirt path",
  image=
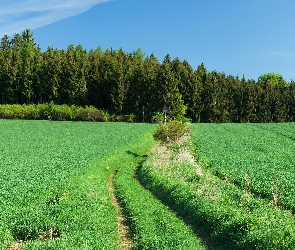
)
(15, 246)
(123, 228)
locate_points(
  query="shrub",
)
(171, 131)
(105, 116)
(51, 111)
(158, 118)
(62, 113)
(88, 114)
(130, 118)
(93, 115)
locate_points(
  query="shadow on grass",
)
(199, 222)
(133, 154)
(184, 211)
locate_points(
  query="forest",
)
(134, 83)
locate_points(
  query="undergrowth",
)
(51, 111)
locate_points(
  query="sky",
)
(238, 37)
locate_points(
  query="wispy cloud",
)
(18, 15)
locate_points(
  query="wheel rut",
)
(123, 227)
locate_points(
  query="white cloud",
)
(18, 15)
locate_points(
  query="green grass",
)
(152, 224)
(224, 215)
(261, 153)
(54, 175)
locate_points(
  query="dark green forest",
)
(133, 83)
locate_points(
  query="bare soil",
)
(15, 246)
(123, 228)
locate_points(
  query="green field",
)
(238, 192)
(260, 153)
(56, 177)
(54, 187)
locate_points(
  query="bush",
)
(171, 131)
(88, 114)
(62, 113)
(158, 118)
(51, 111)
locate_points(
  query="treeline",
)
(132, 83)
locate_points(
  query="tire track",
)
(123, 227)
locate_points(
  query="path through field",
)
(68, 185)
(77, 181)
(152, 224)
(123, 227)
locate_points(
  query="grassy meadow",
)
(237, 191)
(229, 186)
(54, 176)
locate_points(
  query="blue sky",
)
(237, 37)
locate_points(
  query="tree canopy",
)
(136, 83)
